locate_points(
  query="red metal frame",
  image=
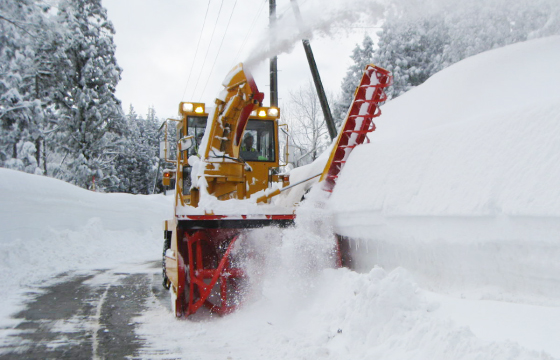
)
(234, 217)
(204, 268)
(203, 279)
(205, 264)
(258, 98)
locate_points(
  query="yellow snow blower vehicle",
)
(230, 154)
(227, 169)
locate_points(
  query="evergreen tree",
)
(362, 56)
(152, 136)
(479, 25)
(411, 51)
(91, 120)
(23, 104)
(137, 163)
(419, 39)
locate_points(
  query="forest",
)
(59, 115)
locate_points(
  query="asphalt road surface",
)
(85, 316)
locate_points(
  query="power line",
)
(196, 51)
(220, 48)
(250, 30)
(207, 50)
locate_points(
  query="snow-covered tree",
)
(24, 117)
(91, 120)
(479, 25)
(137, 163)
(58, 111)
(420, 38)
(361, 56)
(411, 51)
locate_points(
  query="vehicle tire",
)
(166, 245)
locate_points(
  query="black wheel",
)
(166, 245)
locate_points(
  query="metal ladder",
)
(359, 121)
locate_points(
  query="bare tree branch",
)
(16, 25)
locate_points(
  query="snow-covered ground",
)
(455, 212)
(48, 227)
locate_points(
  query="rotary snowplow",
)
(226, 175)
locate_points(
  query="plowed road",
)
(84, 316)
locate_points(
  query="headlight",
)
(273, 112)
(262, 113)
(199, 110)
(254, 113)
(188, 107)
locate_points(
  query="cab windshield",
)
(258, 141)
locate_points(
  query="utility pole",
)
(315, 74)
(274, 59)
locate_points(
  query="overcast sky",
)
(157, 42)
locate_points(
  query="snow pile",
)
(479, 138)
(469, 161)
(460, 187)
(344, 316)
(300, 310)
(49, 226)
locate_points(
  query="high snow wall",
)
(460, 183)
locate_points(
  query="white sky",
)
(157, 41)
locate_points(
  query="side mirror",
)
(163, 150)
(186, 142)
(291, 149)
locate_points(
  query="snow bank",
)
(480, 138)
(507, 78)
(49, 226)
(460, 185)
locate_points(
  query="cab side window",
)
(196, 125)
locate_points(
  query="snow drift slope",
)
(48, 226)
(479, 138)
(507, 78)
(344, 315)
(460, 186)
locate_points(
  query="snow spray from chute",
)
(331, 18)
(283, 264)
(311, 244)
(321, 18)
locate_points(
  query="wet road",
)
(85, 316)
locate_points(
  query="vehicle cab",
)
(259, 148)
